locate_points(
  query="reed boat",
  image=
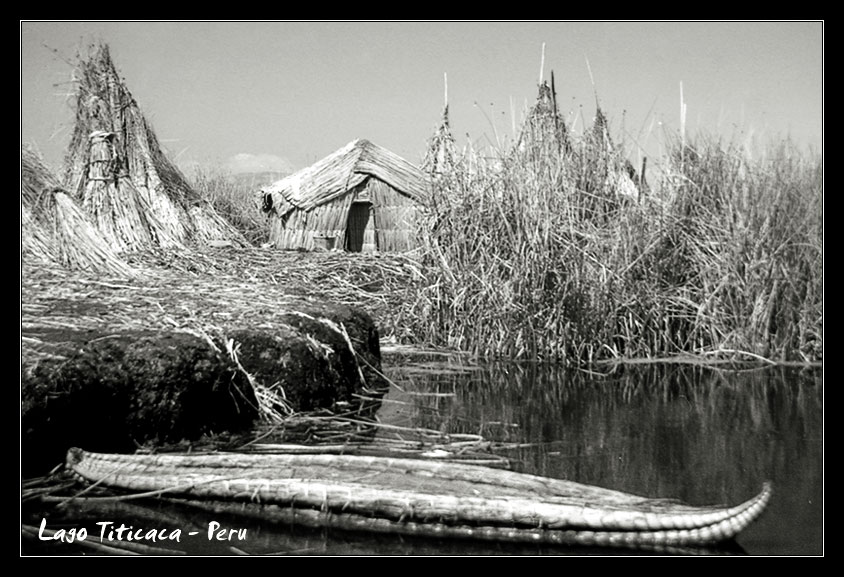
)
(419, 497)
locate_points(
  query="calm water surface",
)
(701, 435)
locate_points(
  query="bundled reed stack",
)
(56, 229)
(441, 154)
(544, 130)
(118, 209)
(617, 174)
(36, 245)
(36, 242)
(116, 167)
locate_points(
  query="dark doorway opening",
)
(359, 217)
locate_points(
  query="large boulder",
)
(116, 391)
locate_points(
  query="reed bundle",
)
(665, 542)
(79, 243)
(36, 240)
(36, 244)
(116, 165)
(117, 208)
(55, 229)
(442, 150)
(543, 128)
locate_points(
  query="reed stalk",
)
(559, 252)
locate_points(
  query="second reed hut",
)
(361, 198)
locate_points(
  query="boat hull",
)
(419, 497)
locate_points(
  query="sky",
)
(256, 96)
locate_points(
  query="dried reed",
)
(55, 229)
(117, 166)
(542, 252)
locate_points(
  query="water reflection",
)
(697, 434)
(701, 435)
(263, 537)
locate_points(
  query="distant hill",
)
(255, 180)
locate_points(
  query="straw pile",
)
(36, 241)
(200, 292)
(54, 229)
(116, 167)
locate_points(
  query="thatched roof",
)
(339, 173)
(104, 106)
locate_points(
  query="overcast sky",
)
(281, 95)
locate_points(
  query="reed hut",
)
(117, 169)
(361, 198)
(55, 229)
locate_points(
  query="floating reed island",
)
(170, 356)
(551, 247)
(130, 334)
(148, 319)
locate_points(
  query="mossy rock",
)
(116, 392)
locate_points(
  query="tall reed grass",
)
(234, 199)
(556, 250)
(542, 252)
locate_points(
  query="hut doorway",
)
(360, 228)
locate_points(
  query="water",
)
(701, 435)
